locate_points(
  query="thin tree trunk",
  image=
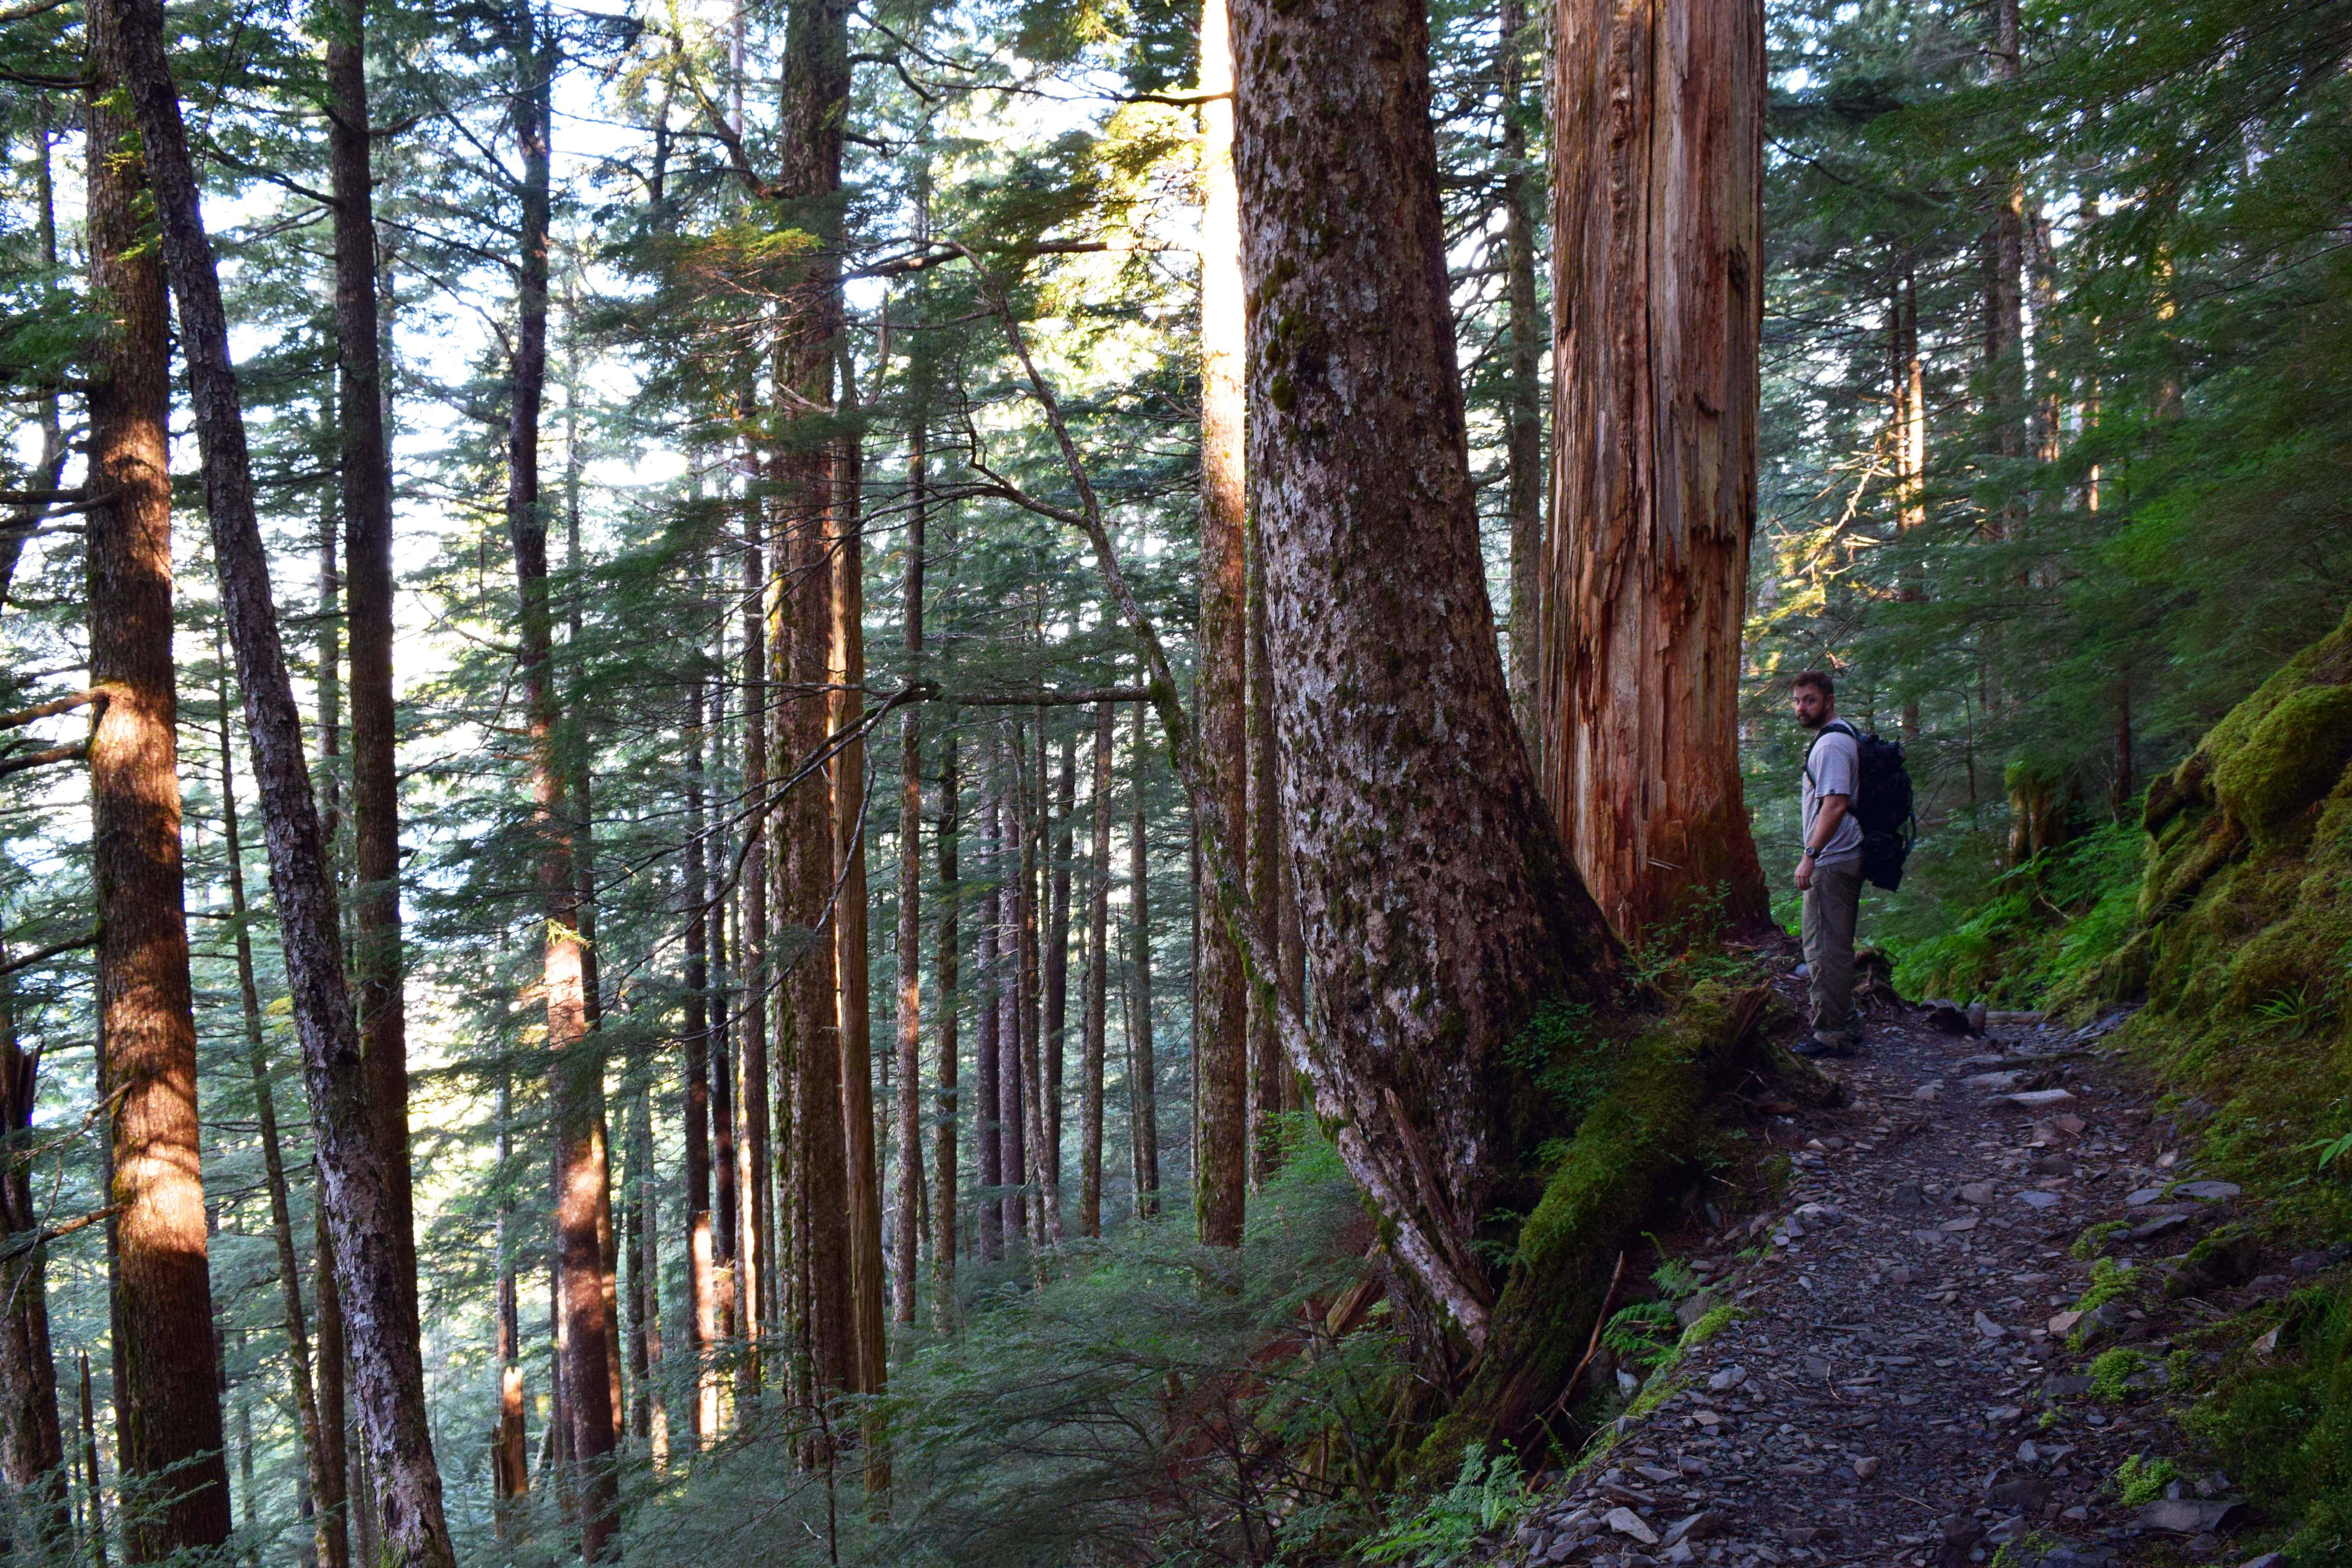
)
(1143, 1071)
(1907, 376)
(167, 1401)
(332, 1546)
(701, 1285)
(367, 554)
(1220, 983)
(945, 1178)
(1659, 271)
(48, 467)
(1437, 905)
(1057, 952)
(847, 673)
(96, 1523)
(1013, 1050)
(762, 997)
(1095, 1018)
(2005, 281)
(32, 1446)
(1522, 189)
(358, 1195)
(910, 882)
(1042, 1207)
(510, 1453)
(987, 1133)
(574, 1073)
(334, 1448)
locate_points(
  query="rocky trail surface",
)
(1908, 1375)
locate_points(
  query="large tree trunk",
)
(1659, 288)
(358, 1192)
(1223, 1061)
(1437, 905)
(1142, 1070)
(326, 1495)
(910, 884)
(32, 1446)
(367, 564)
(946, 1181)
(1522, 189)
(168, 1399)
(1269, 1074)
(575, 1074)
(1095, 1016)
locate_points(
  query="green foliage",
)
(2281, 1424)
(1488, 1497)
(2111, 1373)
(2058, 916)
(1642, 1335)
(2095, 1238)
(2139, 1480)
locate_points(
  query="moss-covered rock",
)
(2288, 764)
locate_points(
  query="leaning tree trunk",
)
(1522, 190)
(358, 1195)
(1659, 279)
(1437, 905)
(168, 1401)
(1223, 982)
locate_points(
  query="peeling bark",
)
(1658, 305)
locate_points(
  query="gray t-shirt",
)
(1835, 767)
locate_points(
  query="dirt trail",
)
(1893, 1389)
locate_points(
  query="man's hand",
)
(1805, 873)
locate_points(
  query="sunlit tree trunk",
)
(511, 1450)
(1222, 1061)
(1659, 290)
(702, 1287)
(1908, 421)
(750, 1231)
(167, 1401)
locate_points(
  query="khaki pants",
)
(1830, 906)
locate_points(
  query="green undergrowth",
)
(2228, 924)
(1153, 1402)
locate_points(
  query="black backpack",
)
(1881, 804)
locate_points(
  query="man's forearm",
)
(1826, 823)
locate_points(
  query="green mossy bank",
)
(2240, 949)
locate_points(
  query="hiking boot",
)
(1839, 1046)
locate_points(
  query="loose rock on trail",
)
(1896, 1384)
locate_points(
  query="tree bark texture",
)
(1269, 1073)
(1437, 903)
(1096, 1017)
(1221, 1175)
(1658, 294)
(168, 1400)
(367, 564)
(1056, 1026)
(762, 997)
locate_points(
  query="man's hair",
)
(1819, 679)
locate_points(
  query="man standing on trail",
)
(1829, 873)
